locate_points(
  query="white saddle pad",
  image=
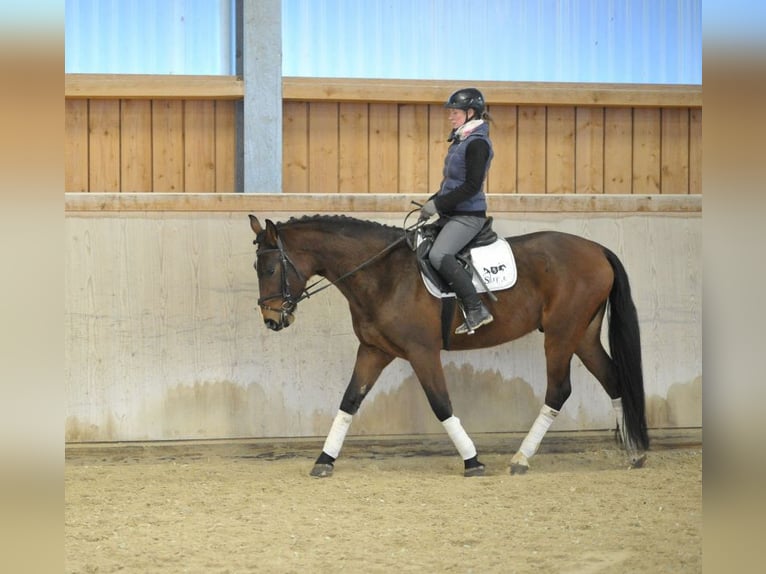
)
(494, 262)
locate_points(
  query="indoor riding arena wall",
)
(163, 337)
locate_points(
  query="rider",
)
(461, 201)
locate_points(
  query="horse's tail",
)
(625, 348)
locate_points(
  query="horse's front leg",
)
(428, 368)
(370, 362)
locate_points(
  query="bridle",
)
(289, 302)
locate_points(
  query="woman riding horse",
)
(461, 201)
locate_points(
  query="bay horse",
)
(565, 285)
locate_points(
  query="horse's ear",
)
(255, 225)
(271, 232)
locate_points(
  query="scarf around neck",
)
(465, 130)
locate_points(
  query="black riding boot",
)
(476, 314)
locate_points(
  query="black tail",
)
(625, 348)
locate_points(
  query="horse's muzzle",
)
(285, 320)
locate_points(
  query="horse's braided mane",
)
(349, 223)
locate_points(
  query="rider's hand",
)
(428, 210)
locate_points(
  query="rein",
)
(308, 293)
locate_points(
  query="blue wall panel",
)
(149, 36)
(638, 41)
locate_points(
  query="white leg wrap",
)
(459, 437)
(535, 435)
(617, 406)
(337, 435)
(619, 415)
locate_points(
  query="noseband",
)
(289, 303)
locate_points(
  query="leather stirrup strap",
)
(448, 311)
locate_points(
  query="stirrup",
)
(466, 328)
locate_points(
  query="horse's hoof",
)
(637, 461)
(519, 463)
(322, 470)
(475, 471)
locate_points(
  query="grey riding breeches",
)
(455, 235)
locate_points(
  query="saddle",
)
(487, 258)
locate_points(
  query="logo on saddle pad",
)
(493, 266)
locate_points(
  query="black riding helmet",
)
(465, 99)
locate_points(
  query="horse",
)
(566, 285)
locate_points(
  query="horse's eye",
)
(266, 270)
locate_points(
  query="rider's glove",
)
(428, 210)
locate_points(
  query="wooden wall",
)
(130, 145)
(177, 134)
(162, 340)
(332, 147)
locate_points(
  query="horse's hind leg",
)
(595, 358)
(558, 358)
(370, 362)
(559, 388)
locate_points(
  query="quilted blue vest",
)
(454, 170)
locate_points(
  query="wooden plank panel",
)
(503, 131)
(225, 146)
(76, 146)
(153, 86)
(136, 146)
(695, 151)
(674, 150)
(115, 86)
(589, 153)
(399, 203)
(531, 149)
(354, 149)
(323, 147)
(438, 132)
(413, 149)
(199, 146)
(560, 150)
(646, 151)
(384, 142)
(167, 146)
(496, 92)
(618, 150)
(295, 149)
(104, 144)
